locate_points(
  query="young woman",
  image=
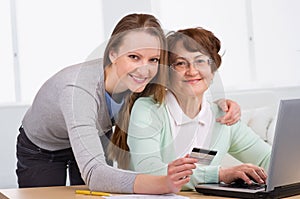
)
(158, 134)
(76, 107)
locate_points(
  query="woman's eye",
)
(133, 57)
(200, 61)
(182, 63)
(154, 60)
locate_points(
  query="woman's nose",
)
(192, 69)
(143, 69)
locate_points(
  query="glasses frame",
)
(186, 67)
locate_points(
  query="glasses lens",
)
(180, 64)
(201, 62)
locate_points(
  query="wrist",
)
(148, 184)
(166, 184)
(221, 174)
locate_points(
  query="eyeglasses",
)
(181, 64)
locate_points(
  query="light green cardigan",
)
(151, 143)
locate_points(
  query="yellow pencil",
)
(93, 193)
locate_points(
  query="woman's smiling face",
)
(136, 60)
(191, 71)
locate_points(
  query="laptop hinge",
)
(285, 191)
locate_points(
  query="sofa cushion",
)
(259, 119)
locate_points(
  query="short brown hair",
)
(197, 39)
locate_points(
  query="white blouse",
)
(188, 133)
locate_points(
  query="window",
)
(261, 42)
(229, 25)
(6, 54)
(277, 42)
(54, 34)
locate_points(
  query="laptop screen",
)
(285, 160)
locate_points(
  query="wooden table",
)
(68, 192)
(65, 192)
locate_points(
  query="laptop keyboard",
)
(253, 186)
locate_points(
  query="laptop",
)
(284, 170)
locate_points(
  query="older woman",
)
(158, 134)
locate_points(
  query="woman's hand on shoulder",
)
(232, 110)
(179, 172)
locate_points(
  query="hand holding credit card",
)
(204, 156)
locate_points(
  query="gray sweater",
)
(70, 110)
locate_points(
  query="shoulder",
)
(216, 110)
(91, 70)
(146, 102)
(86, 74)
(144, 106)
(89, 66)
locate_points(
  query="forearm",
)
(109, 179)
(145, 184)
(90, 157)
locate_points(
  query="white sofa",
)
(259, 110)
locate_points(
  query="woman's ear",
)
(113, 56)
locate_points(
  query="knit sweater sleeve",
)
(81, 114)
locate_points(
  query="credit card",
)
(204, 156)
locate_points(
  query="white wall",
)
(10, 121)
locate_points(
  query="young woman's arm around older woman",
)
(73, 109)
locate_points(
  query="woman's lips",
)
(192, 81)
(138, 79)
